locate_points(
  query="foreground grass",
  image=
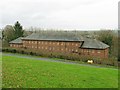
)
(26, 73)
(0, 70)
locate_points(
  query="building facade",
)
(17, 43)
(59, 44)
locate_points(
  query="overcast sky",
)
(60, 14)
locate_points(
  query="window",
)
(92, 51)
(76, 50)
(87, 50)
(98, 52)
(76, 44)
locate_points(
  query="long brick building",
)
(56, 43)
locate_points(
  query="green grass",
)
(29, 73)
(0, 70)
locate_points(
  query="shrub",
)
(67, 56)
(14, 51)
(22, 52)
(31, 53)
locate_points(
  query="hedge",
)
(74, 57)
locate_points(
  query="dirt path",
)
(50, 59)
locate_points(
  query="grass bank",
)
(26, 73)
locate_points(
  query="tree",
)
(18, 30)
(7, 35)
(10, 33)
(108, 37)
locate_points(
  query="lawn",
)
(31, 73)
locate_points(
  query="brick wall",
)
(16, 45)
(52, 46)
(102, 53)
(62, 47)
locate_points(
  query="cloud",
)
(60, 14)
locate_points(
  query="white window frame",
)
(76, 50)
(98, 52)
(76, 44)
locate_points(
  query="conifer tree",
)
(18, 30)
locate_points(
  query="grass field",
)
(30, 73)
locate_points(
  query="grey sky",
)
(60, 14)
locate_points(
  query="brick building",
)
(17, 43)
(57, 43)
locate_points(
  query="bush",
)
(22, 52)
(31, 53)
(74, 57)
(13, 51)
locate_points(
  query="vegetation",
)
(119, 45)
(31, 73)
(10, 33)
(18, 30)
(109, 37)
(73, 57)
(0, 70)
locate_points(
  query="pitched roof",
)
(88, 43)
(53, 37)
(18, 40)
(94, 44)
